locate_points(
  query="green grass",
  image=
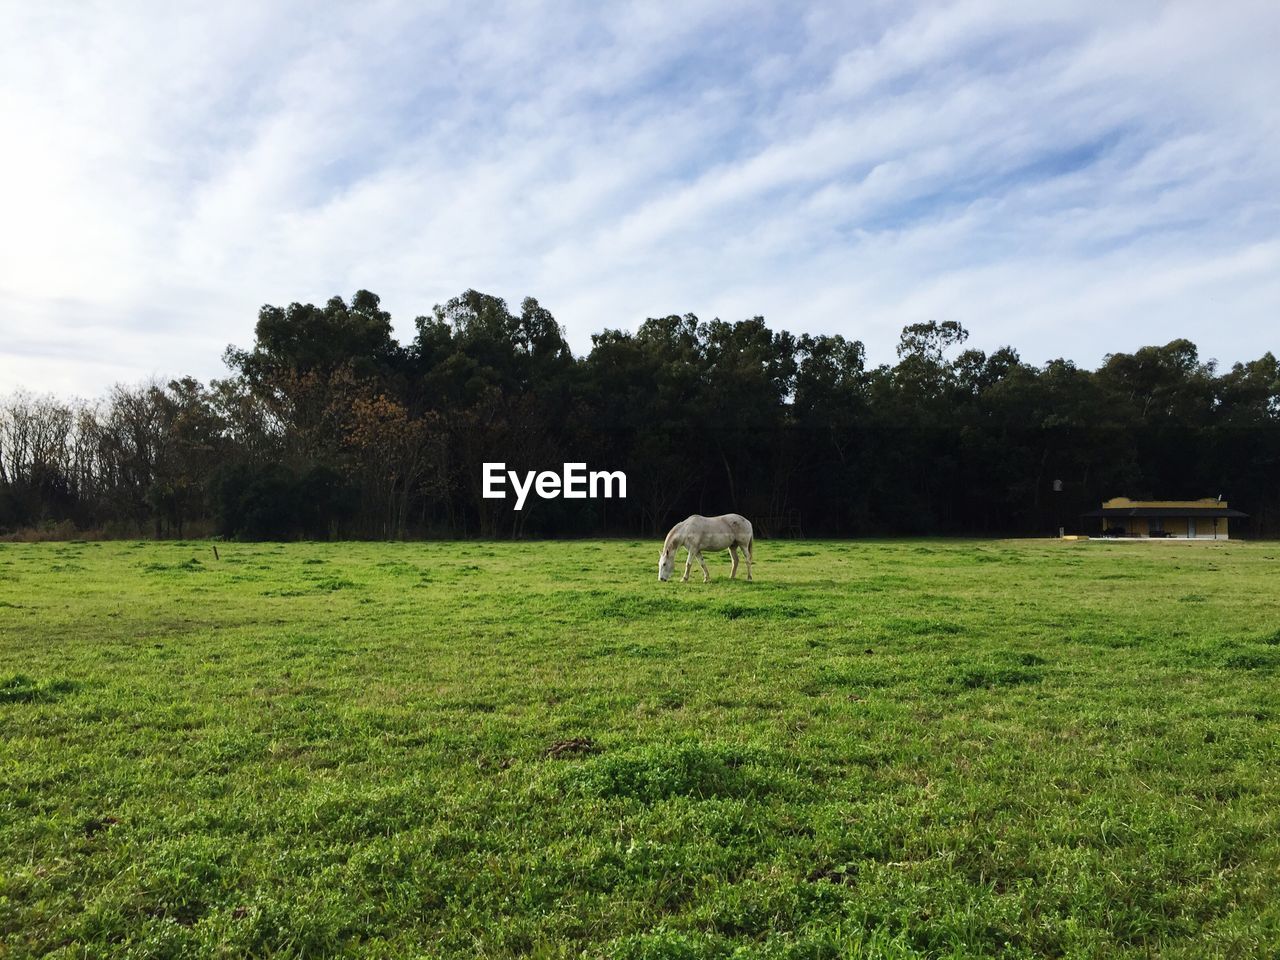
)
(897, 749)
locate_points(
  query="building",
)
(1205, 519)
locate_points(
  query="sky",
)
(1073, 179)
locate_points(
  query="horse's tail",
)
(751, 550)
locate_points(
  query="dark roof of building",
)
(1217, 512)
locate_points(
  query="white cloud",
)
(1072, 179)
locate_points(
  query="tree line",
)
(328, 427)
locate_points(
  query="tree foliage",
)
(326, 426)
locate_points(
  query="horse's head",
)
(666, 563)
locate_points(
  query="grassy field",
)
(878, 749)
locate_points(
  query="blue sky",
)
(1070, 178)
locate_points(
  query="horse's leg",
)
(688, 565)
(706, 574)
(733, 552)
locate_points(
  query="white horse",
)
(698, 533)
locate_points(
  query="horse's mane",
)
(669, 543)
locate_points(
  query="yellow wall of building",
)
(1174, 526)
